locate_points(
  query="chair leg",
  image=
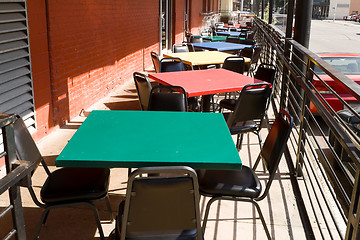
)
(109, 208)
(97, 219)
(41, 222)
(267, 122)
(256, 163)
(239, 141)
(207, 210)
(262, 219)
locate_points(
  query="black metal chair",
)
(156, 61)
(143, 88)
(180, 47)
(232, 39)
(168, 98)
(161, 203)
(244, 185)
(247, 41)
(173, 65)
(249, 112)
(235, 64)
(195, 39)
(169, 64)
(65, 187)
(266, 72)
(254, 54)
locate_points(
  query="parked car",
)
(355, 17)
(348, 17)
(349, 65)
(350, 119)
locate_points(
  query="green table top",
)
(132, 139)
(215, 38)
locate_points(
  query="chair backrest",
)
(190, 47)
(251, 104)
(143, 88)
(168, 98)
(158, 205)
(232, 39)
(196, 39)
(247, 52)
(156, 61)
(171, 65)
(275, 144)
(26, 148)
(266, 72)
(250, 35)
(235, 64)
(180, 47)
(247, 41)
(256, 55)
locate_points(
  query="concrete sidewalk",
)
(228, 220)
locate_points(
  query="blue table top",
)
(233, 34)
(220, 46)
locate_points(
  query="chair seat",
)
(244, 127)
(228, 104)
(75, 184)
(232, 183)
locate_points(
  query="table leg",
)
(205, 103)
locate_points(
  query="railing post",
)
(304, 117)
(14, 191)
(352, 228)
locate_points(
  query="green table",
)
(132, 139)
(215, 38)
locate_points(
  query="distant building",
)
(354, 6)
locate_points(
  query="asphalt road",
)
(339, 36)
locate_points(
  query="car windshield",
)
(346, 65)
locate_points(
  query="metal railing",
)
(16, 171)
(323, 154)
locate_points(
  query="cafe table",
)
(221, 46)
(214, 38)
(227, 33)
(203, 58)
(205, 82)
(133, 139)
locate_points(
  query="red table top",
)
(205, 82)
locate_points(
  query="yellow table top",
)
(203, 58)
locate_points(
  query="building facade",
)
(59, 57)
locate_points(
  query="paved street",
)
(335, 36)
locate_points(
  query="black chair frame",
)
(156, 61)
(143, 88)
(28, 151)
(271, 153)
(160, 179)
(250, 106)
(171, 95)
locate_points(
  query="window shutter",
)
(16, 90)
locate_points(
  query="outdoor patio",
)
(228, 220)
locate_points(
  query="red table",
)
(205, 82)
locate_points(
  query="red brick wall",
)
(179, 21)
(40, 66)
(93, 47)
(196, 7)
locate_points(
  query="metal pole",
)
(271, 7)
(303, 22)
(262, 9)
